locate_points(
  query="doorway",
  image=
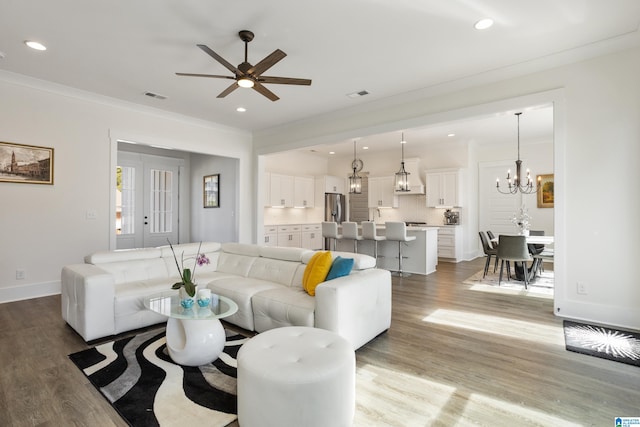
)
(147, 195)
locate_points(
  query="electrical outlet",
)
(20, 274)
(581, 288)
(91, 214)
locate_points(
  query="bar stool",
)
(397, 231)
(350, 232)
(369, 233)
(330, 231)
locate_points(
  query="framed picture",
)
(28, 164)
(211, 191)
(545, 193)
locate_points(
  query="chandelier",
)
(355, 181)
(515, 183)
(402, 176)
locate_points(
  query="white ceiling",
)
(122, 49)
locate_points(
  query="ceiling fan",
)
(247, 75)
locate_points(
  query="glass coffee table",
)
(195, 335)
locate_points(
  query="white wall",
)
(597, 129)
(214, 224)
(44, 227)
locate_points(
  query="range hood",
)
(416, 186)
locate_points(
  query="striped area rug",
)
(139, 379)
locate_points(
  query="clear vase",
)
(187, 301)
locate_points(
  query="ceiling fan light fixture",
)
(245, 82)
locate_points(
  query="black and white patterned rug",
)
(139, 379)
(606, 343)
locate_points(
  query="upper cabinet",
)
(303, 192)
(288, 191)
(381, 192)
(333, 184)
(444, 188)
(281, 191)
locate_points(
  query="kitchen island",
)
(420, 256)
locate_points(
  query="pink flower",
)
(202, 260)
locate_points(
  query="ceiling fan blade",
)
(205, 75)
(264, 91)
(284, 80)
(219, 58)
(228, 90)
(268, 62)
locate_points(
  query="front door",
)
(147, 194)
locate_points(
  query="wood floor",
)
(454, 356)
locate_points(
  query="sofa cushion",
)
(275, 270)
(122, 255)
(340, 267)
(186, 254)
(280, 307)
(241, 290)
(284, 254)
(237, 264)
(241, 249)
(316, 271)
(360, 261)
(137, 270)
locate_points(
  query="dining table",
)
(533, 269)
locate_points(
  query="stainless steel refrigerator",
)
(333, 210)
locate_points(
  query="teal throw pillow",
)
(340, 267)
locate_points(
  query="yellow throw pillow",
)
(316, 271)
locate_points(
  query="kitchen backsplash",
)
(410, 208)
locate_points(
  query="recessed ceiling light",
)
(451, 134)
(35, 45)
(483, 24)
(241, 109)
(365, 148)
(332, 152)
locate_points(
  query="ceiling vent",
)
(358, 94)
(155, 95)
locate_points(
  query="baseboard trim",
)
(30, 291)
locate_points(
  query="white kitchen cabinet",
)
(311, 236)
(270, 235)
(289, 235)
(333, 184)
(450, 243)
(281, 190)
(444, 188)
(303, 192)
(381, 192)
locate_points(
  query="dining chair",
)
(492, 239)
(514, 249)
(535, 249)
(489, 251)
(350, 232)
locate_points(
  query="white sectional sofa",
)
(104, 296)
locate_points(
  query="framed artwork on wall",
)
(27, 164)
(211, 191)
(545, 193)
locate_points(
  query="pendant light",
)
(402, 176)
(515, 183)
(355, 181)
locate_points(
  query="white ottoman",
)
(296, 377)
